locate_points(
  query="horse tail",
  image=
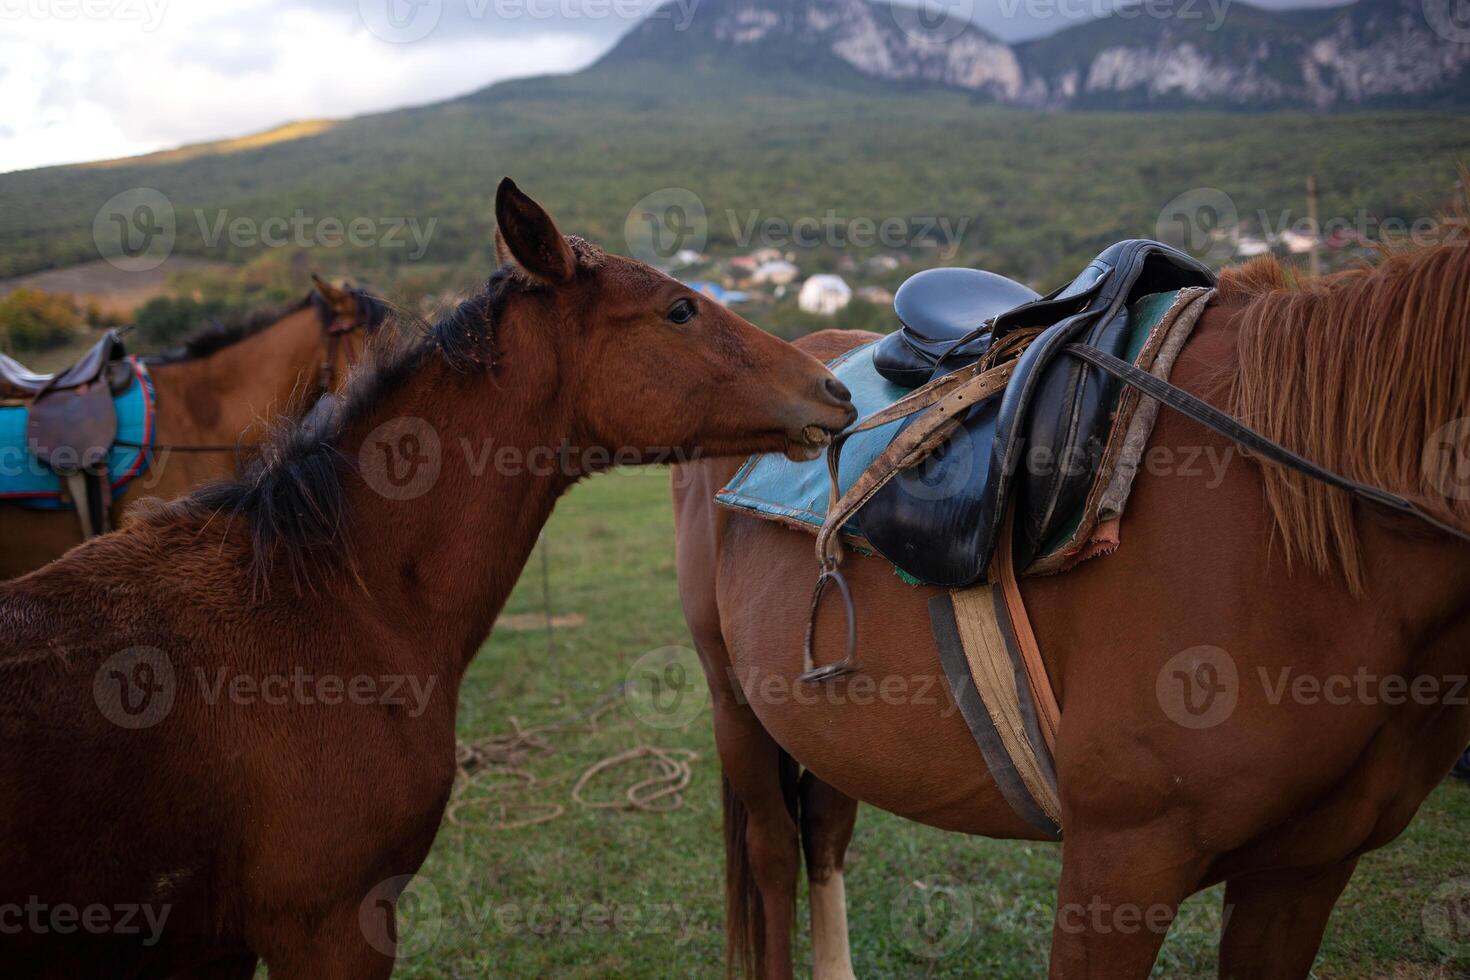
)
(745, 921)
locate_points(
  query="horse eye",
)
(681, 312)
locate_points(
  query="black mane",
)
(291, 496)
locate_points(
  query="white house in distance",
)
(824, 294)
(777, 272)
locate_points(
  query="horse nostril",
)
(837, 390)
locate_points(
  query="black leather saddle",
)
(1038, 443)
(945, 315)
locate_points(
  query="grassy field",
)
(599, 892)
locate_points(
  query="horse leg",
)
(1119, 894)
(1274, 922)
(334, 948)
(227, 966)
(762, 852)
(827, 819)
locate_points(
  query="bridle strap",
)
(1212, 418)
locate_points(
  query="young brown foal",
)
(1278, 792)
(220, 389)
(146, 760)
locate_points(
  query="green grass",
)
(659, 876)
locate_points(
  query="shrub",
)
(32, 320)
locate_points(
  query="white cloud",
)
(91, 79)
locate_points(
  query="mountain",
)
(769, 112)
(1205, 53)
(831, 38)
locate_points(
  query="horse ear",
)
(526, 235)
(339, 300)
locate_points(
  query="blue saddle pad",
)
(27, 481)
(773, 487)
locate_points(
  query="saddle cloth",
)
(26, 480)
(798, 494)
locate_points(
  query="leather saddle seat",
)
(1038, 443)
(71, 422)
(946, 315)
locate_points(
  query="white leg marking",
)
(831, 955)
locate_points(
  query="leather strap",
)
(1047, 710)
(950, 397)
(1212, 418)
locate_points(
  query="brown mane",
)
(1359, 371)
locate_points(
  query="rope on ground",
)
(491, 774)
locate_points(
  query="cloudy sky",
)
(93, 79)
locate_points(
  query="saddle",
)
(1034, 438)
(941, 310)
(71, 422)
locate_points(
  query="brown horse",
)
(216, 394)
(1367, 372)
(268, 773)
